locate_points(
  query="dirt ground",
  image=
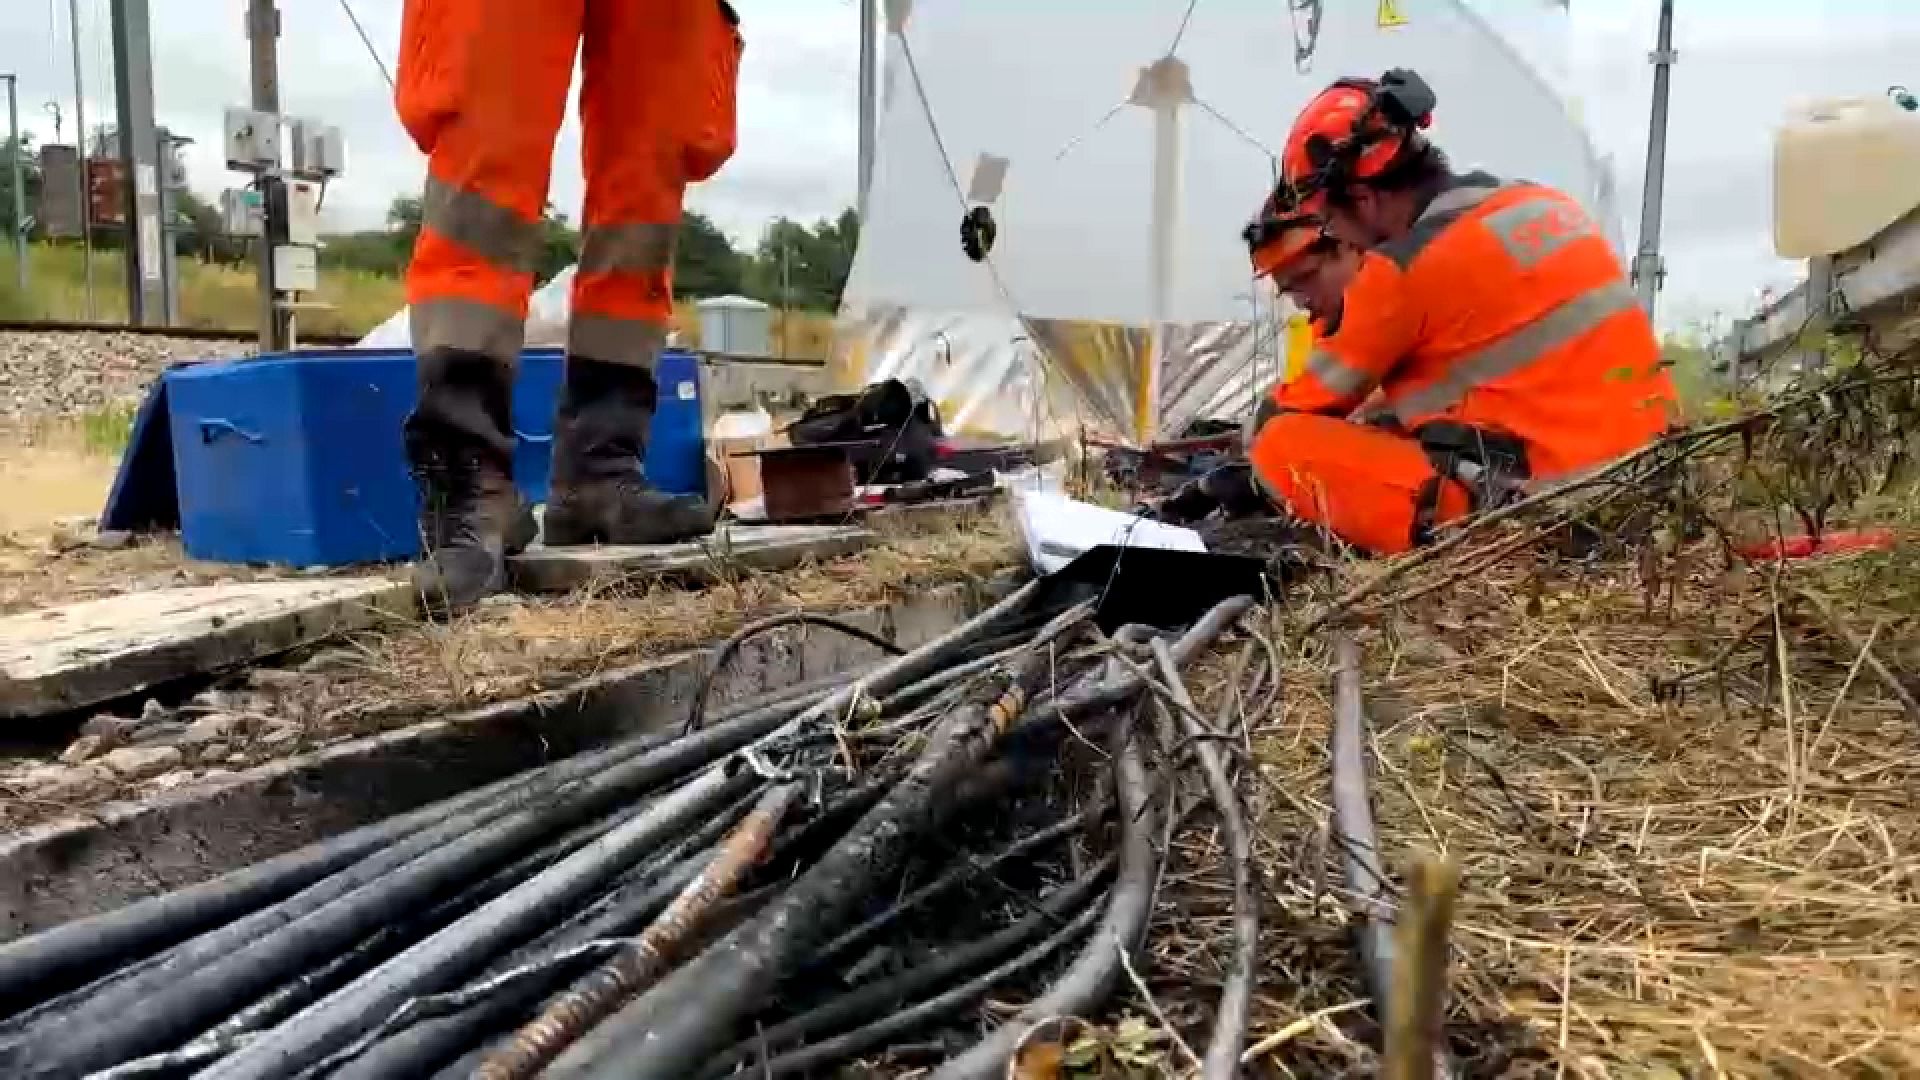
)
(50, 552)
(47, 483)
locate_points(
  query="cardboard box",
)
(738, 467)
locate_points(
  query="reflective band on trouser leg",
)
(1362, 483)
(1556, 329)
(472, 268)
(482, 226)
(623, 293)
(468, 325)
(638, 248)
(640, 95)
(613, 340)
(489, 147)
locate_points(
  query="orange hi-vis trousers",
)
(1366, 485)
(482, 88)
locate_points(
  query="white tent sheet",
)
(1054, 333)
(546, 318)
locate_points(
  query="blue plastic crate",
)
(676, 447)
(297, 458)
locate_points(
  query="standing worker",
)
(482, 88)
(1493, 318)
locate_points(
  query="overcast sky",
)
(1742, 62)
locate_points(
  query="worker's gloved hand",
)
(1234, 488)
(1229, 489)
(1189, 503)
(1383, 418)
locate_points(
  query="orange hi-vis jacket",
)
(1505, 310)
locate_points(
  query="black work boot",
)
(459, 442)
(599, 493)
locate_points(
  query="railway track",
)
(195, 333)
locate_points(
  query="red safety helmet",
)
(1286, 229)
(1355, 130)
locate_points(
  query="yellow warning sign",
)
(1390, 14)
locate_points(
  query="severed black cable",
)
(1091, 977)
(696, 714)
(886, 994)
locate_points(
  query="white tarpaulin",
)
(546, 318)
(1118, 296)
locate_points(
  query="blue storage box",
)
(297, 458)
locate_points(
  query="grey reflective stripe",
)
(611, 340)
(637, 248)
(1515, 351)
(482, 226)
(1535, 228)
(1338, 377)
(1455, 201)
(466, 324)
(1445, 209)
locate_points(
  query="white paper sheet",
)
(1058, 530)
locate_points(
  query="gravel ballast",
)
(44, 376)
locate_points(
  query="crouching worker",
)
(1491, 318)
(1311, 268)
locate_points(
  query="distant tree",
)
(804, 267)
(704, 261)
(838, 241)
(30, 180)
(200, 230)
(403, 218)
(795, 265)
(559, 245)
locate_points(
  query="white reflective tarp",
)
(1054, 333)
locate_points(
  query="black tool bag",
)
(891, 431)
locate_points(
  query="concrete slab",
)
(732, 548)
(81, 654)
(125, 851)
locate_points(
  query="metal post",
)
(1163, 237)
(1649, 272)
(169, 232)
(263, 35)
(15, 153)
(133, 69)
(1165, 87)
(869, 101)
(80, 143)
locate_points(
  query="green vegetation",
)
(797, 267)
(1689, 363)
(108, 429)
(213, 295)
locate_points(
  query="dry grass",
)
(529, 643)
(1718, 881)
(44, 483)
